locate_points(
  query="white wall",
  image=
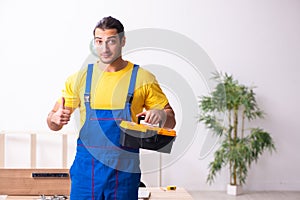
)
(42, 42)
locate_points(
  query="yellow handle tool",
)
(171, 187)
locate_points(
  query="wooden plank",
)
(162, 193)
(64, 150)
(20, 182)
(2, 150)
(33, 150)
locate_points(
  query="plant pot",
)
(234, 189)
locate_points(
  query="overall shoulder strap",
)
(89, 74)
(132, 84)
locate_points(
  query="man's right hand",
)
(59, 116)
(62, 115)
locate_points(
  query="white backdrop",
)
(42, 42)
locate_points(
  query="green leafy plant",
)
(225, 112)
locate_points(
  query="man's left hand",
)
(154, 116)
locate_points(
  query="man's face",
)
(108, 44)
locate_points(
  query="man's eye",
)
(98, 42)
(111, 41)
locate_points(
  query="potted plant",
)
(226, 112)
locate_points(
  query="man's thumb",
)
(63, 103)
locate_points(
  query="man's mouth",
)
(105, 55)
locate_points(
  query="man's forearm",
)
(170, 120)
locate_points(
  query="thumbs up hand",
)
(63, 101)
(62, 115)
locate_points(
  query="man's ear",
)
(123, 41)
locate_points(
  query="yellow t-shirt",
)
(109, 91)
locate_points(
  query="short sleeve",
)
(71, 91)
(148, 93)
(155, 98)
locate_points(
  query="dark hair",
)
(110, 23)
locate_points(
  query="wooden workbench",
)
(156, 194)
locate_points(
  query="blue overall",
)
(102, 168)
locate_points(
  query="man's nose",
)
(104, 46)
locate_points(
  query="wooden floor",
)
(270, 195)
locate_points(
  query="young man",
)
(107, 92)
